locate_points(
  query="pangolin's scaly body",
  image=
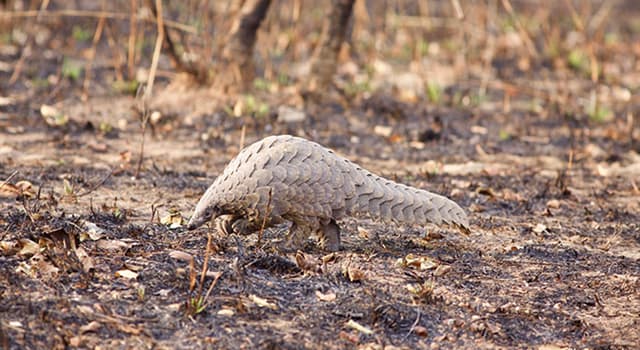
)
(286, 178)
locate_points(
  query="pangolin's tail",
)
(385, 199)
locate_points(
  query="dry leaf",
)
(304, 263)
(421, 331)
(329, 258)
(358, 327)
(180, 255)
(477, 129)
(127, 274)
(75, 341)
(421, 263)
(6, 101)
(8, 190)
(29, 247)
(52, 116)
(363, 232)
(173, 219)
(383, 130)
(113, 245)
(93, 232)
(553, 204)
(539, 228)
(40, 265)
(90, 327)
(238, 108)
(442, 270)
(9, 247)
(174, 307)
(353, 273)
(98, 147)
(350, 337)
(85, 259)
(262, 302)
(226, 312)
(328, 297)
(21, 188)
(552, 347)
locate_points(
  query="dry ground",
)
(553, 259)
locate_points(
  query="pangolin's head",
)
(206, 209)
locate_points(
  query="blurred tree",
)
(333, 35)
(237, 54)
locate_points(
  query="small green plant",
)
(353, 89)
(71, 69)
(536, 106)
(422, 47)
(5, 38)
(504, 135)
(256, 107)
(105, 127)
(283, 79)
(40, 83)
(250, 103)
(479, 98)
(434, 92)
(263, 110)
(80, 34)
(578, 60)
(125, 86)
(600, 114)
(611, 38)
(69, 191)
(262, 84)
(422, 291)
(196, 305)
(228, 110)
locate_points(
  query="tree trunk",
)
(237, 53)
(333, 34)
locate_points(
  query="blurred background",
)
(577, 58)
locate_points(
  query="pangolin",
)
(286, 178)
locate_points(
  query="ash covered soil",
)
(93, 253)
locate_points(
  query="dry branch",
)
(197, 69)
(95, 14)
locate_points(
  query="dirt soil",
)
(94, 252)
(89, 256)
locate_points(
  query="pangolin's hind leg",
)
(301, 229)
(329, 236)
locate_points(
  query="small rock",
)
(539, 228)
(553, 204)
(383, 130)
(155, 117)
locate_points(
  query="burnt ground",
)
(553, 258)
(94, 254)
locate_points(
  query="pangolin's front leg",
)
(327, 230)
(233, 224)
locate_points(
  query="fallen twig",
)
(92, 55)
(95, 14)
(97, 185)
